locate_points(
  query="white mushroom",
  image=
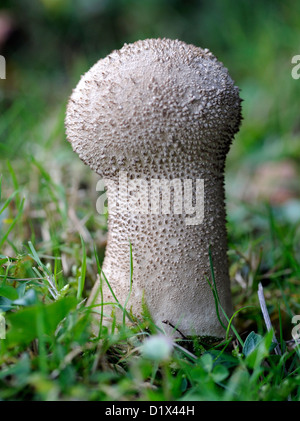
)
(160, 109)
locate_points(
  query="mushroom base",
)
(172, 275)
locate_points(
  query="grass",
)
(50, 353)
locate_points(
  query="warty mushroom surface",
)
(161, 109)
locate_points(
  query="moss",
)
(199, 344)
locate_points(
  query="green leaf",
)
(207, 362)
(251, 342)
(219, 373)
(5, 304)
(260, 351)
(63, 291)
(9, 292)
(20, 371)
(27, 299)
(24, 324)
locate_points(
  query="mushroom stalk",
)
(156, 119)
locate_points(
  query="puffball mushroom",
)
(155, 112)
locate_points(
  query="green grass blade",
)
(81, 280)
(8, 200)
(14, 180)
(232, 327)
(4, 238)
(130, 282)
(100, 291)
(218, 304)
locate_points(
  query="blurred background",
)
(48, 44)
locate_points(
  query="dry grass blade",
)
(266, 316)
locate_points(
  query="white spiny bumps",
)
(160, 109)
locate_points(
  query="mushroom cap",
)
(146, 96)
